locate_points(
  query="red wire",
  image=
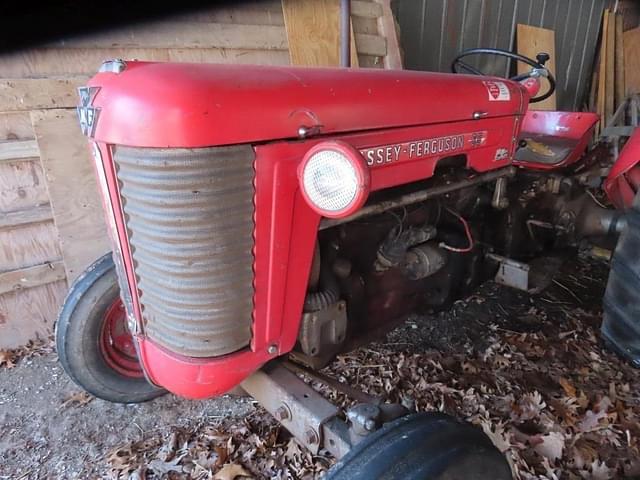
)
(467, 231)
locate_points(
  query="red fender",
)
(624, 179)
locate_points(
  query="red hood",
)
(196, 105)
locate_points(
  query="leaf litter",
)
(530, 371)
(9, 358)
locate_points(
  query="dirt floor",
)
(529, 370)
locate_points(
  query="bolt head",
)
(310, 437)
(282, 413)
(272, 350)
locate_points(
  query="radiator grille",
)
(189, 215)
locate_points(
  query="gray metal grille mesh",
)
(189, 215)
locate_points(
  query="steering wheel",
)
(537, 64)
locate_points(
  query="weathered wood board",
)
(28, 245)
(15, 126)
(313, 33)
(22, 185)
(631, 39)
(531, 41)
(172, 34)
(30, 313)
(17, 280)
(609, 97)
(73, 189)
(619, 62)
(34, 93)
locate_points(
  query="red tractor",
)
(263, 213)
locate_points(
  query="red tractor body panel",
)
(573, 129)
(403, 123)
(623, 181)
(199, 105)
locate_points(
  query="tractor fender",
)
(623, 181)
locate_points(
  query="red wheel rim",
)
(116, 343)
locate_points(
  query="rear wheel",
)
(94, 345)
(621, 323)
(425, 446)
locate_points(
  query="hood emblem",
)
(87, 113)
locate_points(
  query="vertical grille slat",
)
(189, 216)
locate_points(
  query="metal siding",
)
(433, 31)
(189, 215)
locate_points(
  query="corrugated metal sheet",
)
(434, 31)
(189, 213)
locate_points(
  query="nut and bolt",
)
(310, 437)
(370, 425)
(272, 350)
(282, 413)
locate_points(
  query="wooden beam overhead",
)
(185, 35)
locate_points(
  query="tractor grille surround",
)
(189, 216)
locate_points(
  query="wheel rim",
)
(116, 343)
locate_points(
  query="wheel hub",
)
(117, 344)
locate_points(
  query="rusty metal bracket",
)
(314, 421)
(304, 412)
(511, 272)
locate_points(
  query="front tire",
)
(424, 446)
(94, 346)
(621, 322)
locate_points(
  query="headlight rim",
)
(360, 168)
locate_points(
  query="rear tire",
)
(424, 446)
(621, 322)
(85, 354)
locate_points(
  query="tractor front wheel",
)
(424, 446)
(94, 345)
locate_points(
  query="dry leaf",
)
(550, 446)
(231, 471)
(78, 399)
(568, 387)
(529, 407)
(162, 468)
(600, 471)
(7, 359)
(497, 435)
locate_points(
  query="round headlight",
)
(334, 178)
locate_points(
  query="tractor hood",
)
(196, 105)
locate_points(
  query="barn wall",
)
(51, 223)
(433, 32)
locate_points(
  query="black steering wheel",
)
(538, 67)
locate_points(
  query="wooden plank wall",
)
(43, 159)
(32, 280)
